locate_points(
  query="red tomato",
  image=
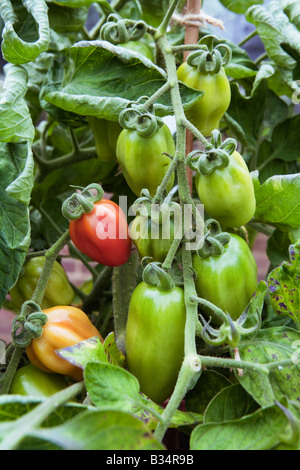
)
(102, 234)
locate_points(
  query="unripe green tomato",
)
(142, 161)
(155, 339)
(106, 134)
(228, 280)
(138, 46)
(31, 381)
(142, 232)
(207, 112)
(228, 193)
(58, 290)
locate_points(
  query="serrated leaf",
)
(260, 431)
(18, 50)
(208, 385)
(285, 139)
(93, 350)
(111, 387)
(292, 9)
(14, 214)
(101, 430)
(271, 345)
(15, 124)
(88, 87)
(284, 286)
(277, 201)
(83, 352)
(230, 403)
(246, 113)
(271, 33)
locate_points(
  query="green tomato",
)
(142, 161)
(106, 134)
(228, 193)
(31, 381)
(58, 290)
(150, 239)
(207, 112)
(155, 339)
(228, 280)
(138, 46)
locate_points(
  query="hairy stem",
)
(30, 421)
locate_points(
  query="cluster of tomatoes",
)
(156, 319)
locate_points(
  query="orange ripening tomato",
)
(65, 327)
(103, 234)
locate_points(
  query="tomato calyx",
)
(211, 56)
(213, 241)
(118, 30)
(215, 156)
(154, 275)
(134, 117)
(27, 327)
(82, 203)
(229, 332)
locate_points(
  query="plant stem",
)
(162, 29)
(171, 253)
(162, 187)
(211, 361)
(65, 160)
(260, 58)
(199, 136)
(191, 366)
(163, 89)
(100, 284)
(248, 37)
(186, 47)
(35, 418)
(7, 378)
(123, 282)
(50, 255)
(217, 311)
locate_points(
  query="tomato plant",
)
(120, 119)
(105, 134)
(65, 326)
(58, 290)
(142, 158)
(153, 357)
(207, 112)
(216, 276)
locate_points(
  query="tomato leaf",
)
(111, 387)
(100, 430)
(272, 31)
(16, 176)
(239, 6)
(269, 345)
(261, 430)
(284, 286)
(86, 87)
(230, 403)
(17, 47)
(208, 385)
(277, 201)
(83, 352)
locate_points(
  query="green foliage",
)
(57, 74)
